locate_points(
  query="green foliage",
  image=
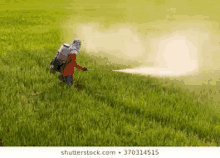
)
(102, 108)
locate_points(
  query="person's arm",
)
(79, 67)
(72, 58)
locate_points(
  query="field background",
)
(103, 108)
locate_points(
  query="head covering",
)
(77, 44)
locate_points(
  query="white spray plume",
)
(180, 50)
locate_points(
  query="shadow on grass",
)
(79, 85)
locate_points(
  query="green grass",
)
(102, 108)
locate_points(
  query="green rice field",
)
(103, 107)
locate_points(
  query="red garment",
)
(69, 69)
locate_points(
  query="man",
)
(68, 70)
(67, 60)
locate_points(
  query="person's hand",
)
(84, 69)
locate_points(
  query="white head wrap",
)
(75, 46)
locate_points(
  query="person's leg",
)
(61, 78)
(69, 80)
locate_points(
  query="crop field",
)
(105, 107)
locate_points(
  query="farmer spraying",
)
(66, 61)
